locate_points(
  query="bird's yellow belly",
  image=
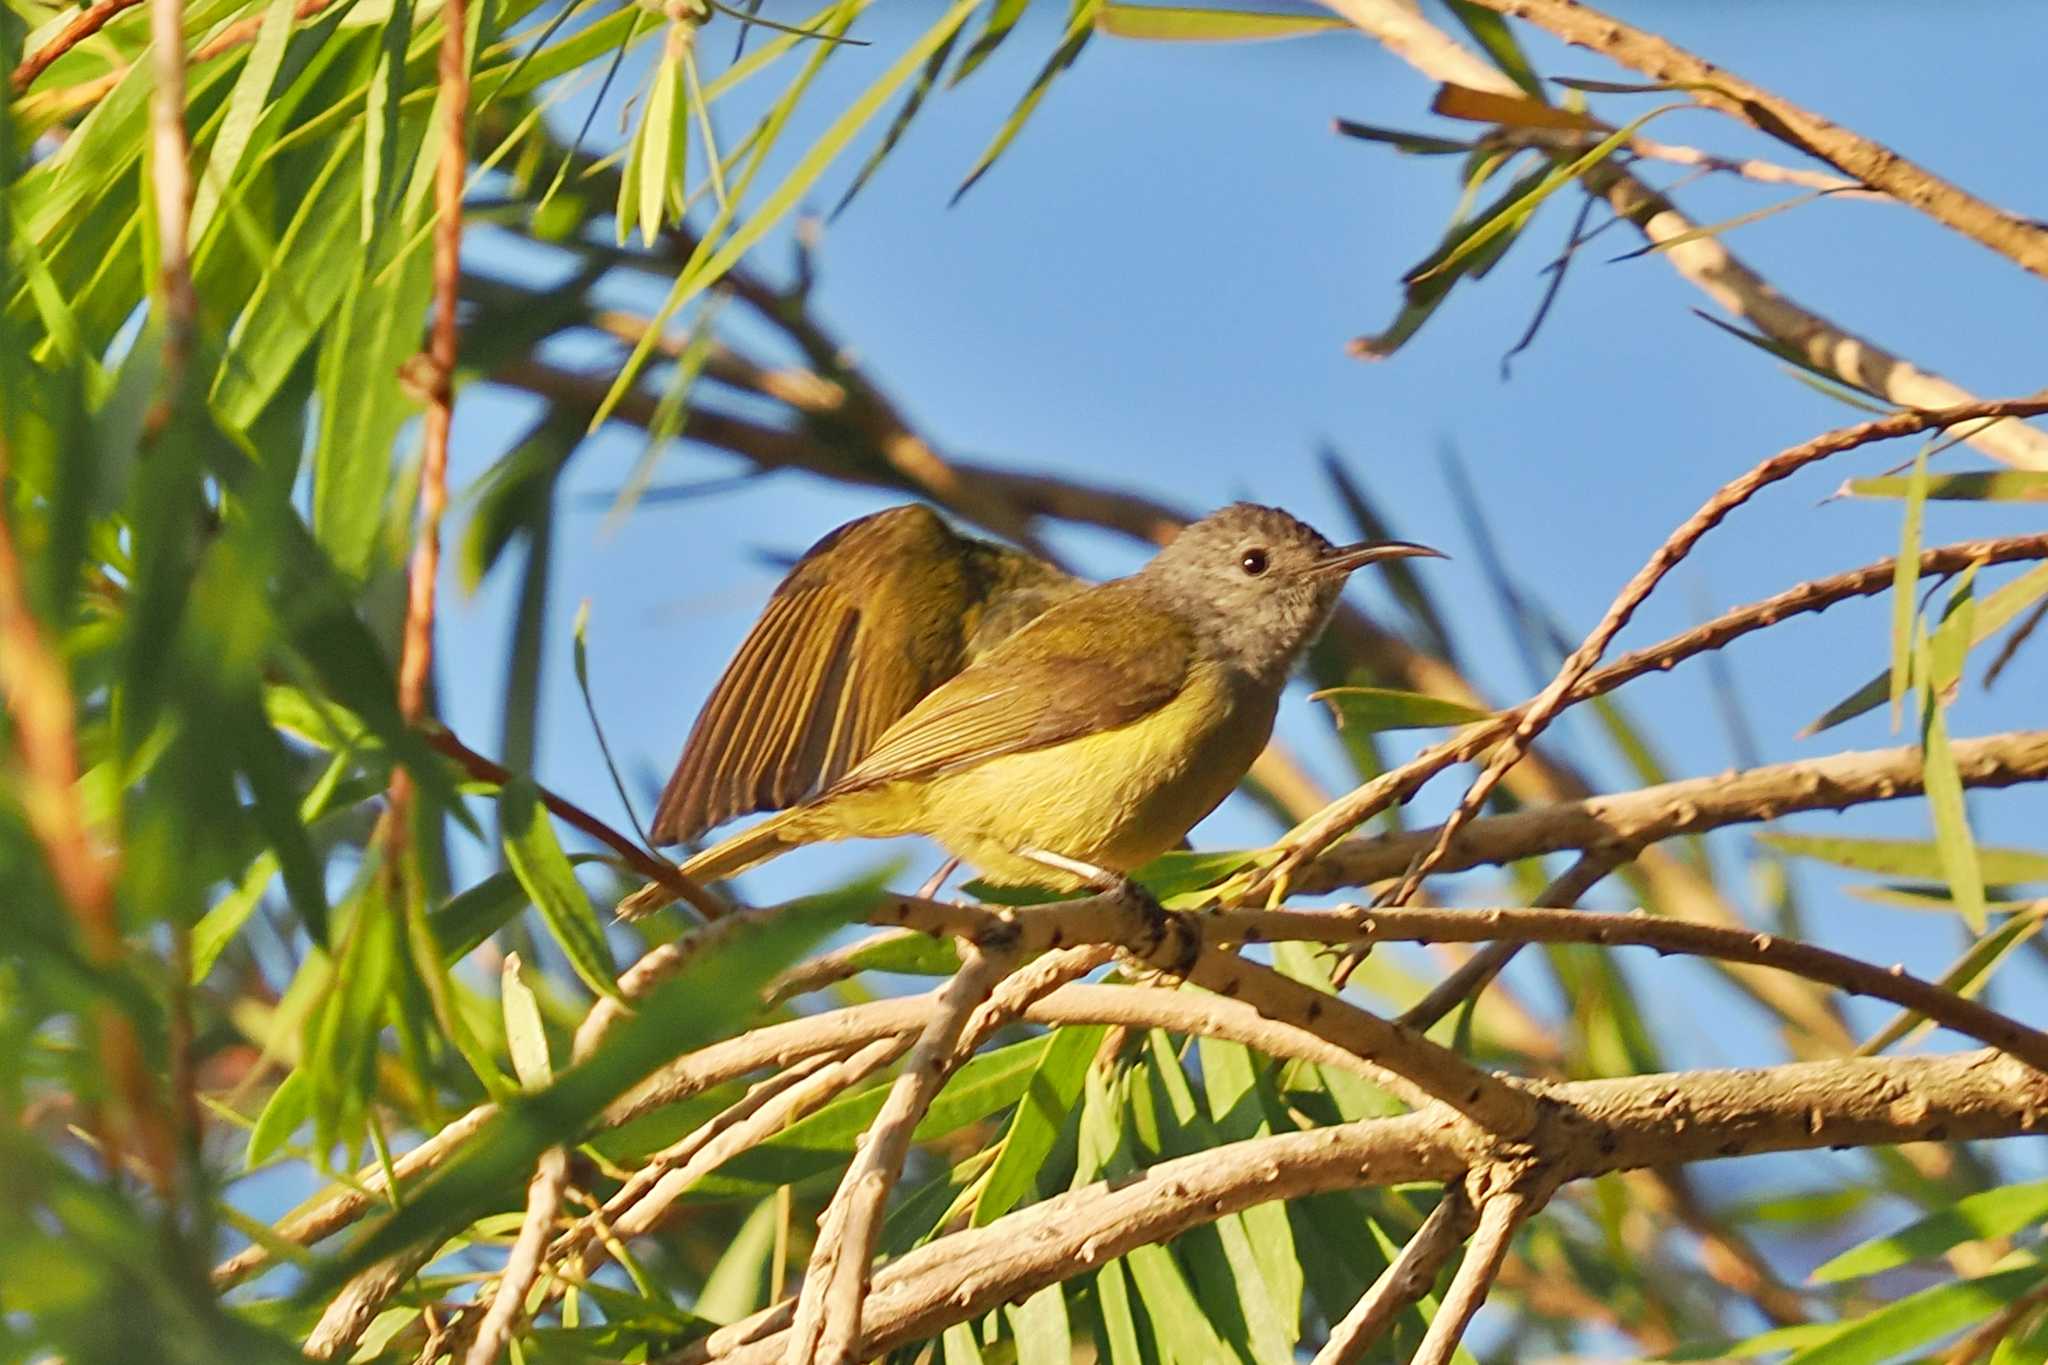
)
(1116, 800)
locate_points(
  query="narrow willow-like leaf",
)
(1039, 1325)
(1002, 18)
(284, 1113)
(1080, 25)
(1492, 33)
(912, 102)
(1414, 144)
(1905, 580)
(1385, 708)
(1997, 485)
(1425, 288)
(1049, 1097)
(715, 993)
(1953, 842)
(1917, 1319)
(1509, 111)
(246, 105)
(704, 270)
(738, 1284)
(1725, 225)
(1992, 614)
(545, 871)
(1516, 214)
(526, 1038)
(381, 121)
(1911, 858)
(1966, 976)
(1194, 24)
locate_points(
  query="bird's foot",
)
(1167, 943)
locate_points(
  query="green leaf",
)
(287, 1110)
(362, 405)
(525, 1036)
(247, 104)
(1492, 33)
(912, 102)
(710, 263)
(1372, 709)
(738, 1284)
(2002, 485)
(1040, 1327)
(1967, 975)
(1919, 1318)
(1425, 287)
(1908, 857)
(716, 993)
(1953, 843)
(545, 871)
(474, 914)
(1993, 613)
(1002, 18)
(1905, 580)
(1080, 25)
(1516, 214)
(1048, 1100)
(1414, 144)
(1190, 24)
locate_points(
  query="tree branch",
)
(2018, 240)
(1547, 704)
(1592, 1127)
(1705, 261)
(1403, 1282)
(1500, 1214)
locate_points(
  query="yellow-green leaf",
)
(1385, 708)
(1905, 579)
(525, 1037)
(1191, 24)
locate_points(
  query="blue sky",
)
(1154, 287)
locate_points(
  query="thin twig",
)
(827, 1326)
(1404, 1281)
(1704, 261)
(88, 22)
(522, 1265)
(1499, 1216)
(699, 898)
(2017, 239)
(1473, 975)
(1676, 546)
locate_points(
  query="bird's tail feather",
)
(728, 857)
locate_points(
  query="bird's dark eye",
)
(1253, 561)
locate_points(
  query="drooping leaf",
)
(544, 870)
(716, 992)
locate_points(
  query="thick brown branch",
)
(1596, 1127)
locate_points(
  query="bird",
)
(1085, 742)
(867, 622)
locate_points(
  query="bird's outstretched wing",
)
(1094, 662)
(824, 672)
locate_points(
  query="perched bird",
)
(1100, 732)
(868, 621)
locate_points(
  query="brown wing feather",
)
(1094, 662)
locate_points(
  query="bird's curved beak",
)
(1348, 558)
